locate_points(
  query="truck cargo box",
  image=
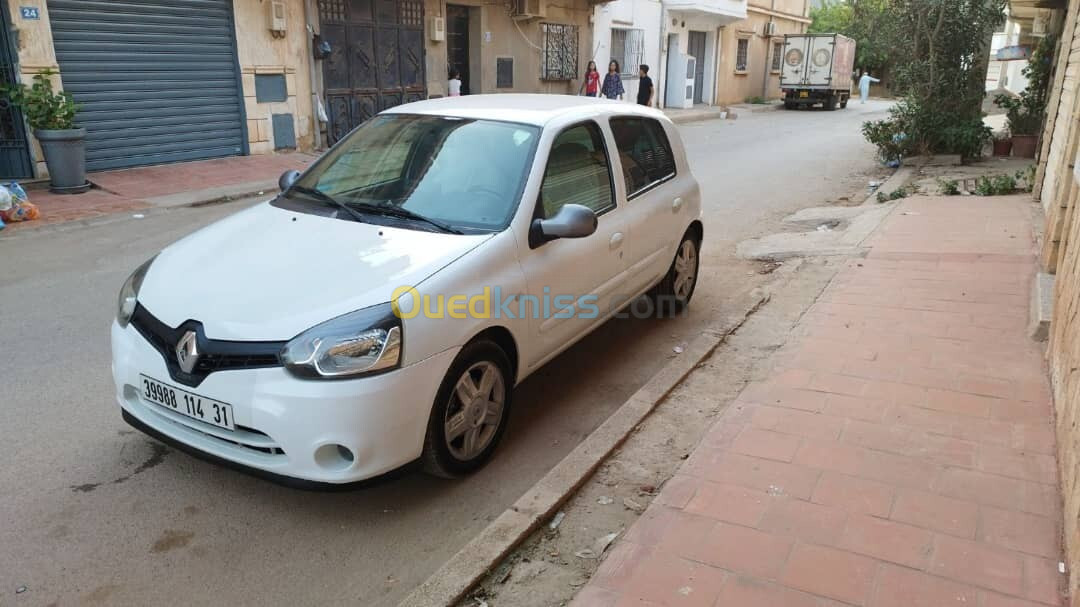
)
(818, 62)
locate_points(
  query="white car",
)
(382, 308)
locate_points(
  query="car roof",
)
(520, 107)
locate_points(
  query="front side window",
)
(742, 55)
(462, 172)
(578, 172)
(644, 153)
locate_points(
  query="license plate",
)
(204, 409)
(804, 93)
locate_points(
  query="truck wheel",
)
(830, 103)
(843, 102)
(789, 105)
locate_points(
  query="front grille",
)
(214, 354)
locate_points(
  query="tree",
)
(861, 20)
(940, 48)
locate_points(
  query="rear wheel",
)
(830, 103)
(470, 411)
(675, 290)
(843, 102)
(789, 105)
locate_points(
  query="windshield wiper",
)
(326, 198)
(396, 211)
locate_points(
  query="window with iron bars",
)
(628, 48)
(777, 56)
(742, 55)
(559, 57)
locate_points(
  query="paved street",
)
(92, 512)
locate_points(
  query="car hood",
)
(268, 273)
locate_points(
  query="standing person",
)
(591, 83)
(645, 86)
(864, 86)
(454, 89)
(612, 88)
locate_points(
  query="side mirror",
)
(287, 179)
(572, 221)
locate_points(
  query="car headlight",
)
(358, 343)
(129, 293)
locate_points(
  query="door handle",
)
(616, 240)
(676, 205)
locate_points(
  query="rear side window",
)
(578, 172)
(644, 153)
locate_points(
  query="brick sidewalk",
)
(132, 190)
(900, 454)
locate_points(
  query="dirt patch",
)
(172, 539)
(558, 559)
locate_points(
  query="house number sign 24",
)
(29, 12)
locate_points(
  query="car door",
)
(573, 282)
(656, 209)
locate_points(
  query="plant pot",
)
(1024, 145)
(1002, 147)
(65, 155)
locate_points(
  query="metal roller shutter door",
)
(158, 80)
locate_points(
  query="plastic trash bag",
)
(15, 205)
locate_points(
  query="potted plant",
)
(52, 116)
(1024, 113)
(1024, 124)
(1002, 144)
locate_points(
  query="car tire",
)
(673, 293)
(449, 456)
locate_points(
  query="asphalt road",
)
(94, 513)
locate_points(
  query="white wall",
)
(681, 23)
(629, 14)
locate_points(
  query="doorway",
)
(457, 43)
(376, 59)
(14, 151)
(697, 51)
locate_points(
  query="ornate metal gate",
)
(14, 152)
(376, 58)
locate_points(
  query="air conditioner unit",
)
(521, 10)
(770, 29)
(277, 17)
(437, 29)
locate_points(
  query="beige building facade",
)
(176, 80)
(752, 49)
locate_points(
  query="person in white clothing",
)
(454, 90)
(864, 86)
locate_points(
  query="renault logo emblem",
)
(187, 352)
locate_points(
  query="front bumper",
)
(288, 429)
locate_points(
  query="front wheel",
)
(675, 290)
(470, 411)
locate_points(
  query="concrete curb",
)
(465, 569)
(891, 184)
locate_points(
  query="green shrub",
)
(949, 187)
(44, 108)
(995, 186)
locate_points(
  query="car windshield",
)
(463, 173)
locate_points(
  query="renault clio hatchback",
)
(381, 309)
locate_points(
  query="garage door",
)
(157, 79)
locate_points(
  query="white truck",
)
(817, 68)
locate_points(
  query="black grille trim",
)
(214, 354)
